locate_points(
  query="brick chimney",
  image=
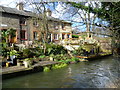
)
(48, 12)
(20, 6)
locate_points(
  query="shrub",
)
(87, 49)
(37, 51)
(79, 51)
(30, 52)
(74, 59)
(13, 52)
(5, 52)
(75, 36)
(43, 56)
(59, 65)
(29, 60)
(46, 69)
(55, 49)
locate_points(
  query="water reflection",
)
(102, 73)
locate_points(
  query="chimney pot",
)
(48, 12)
(20, 6)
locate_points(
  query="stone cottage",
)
(26, 31)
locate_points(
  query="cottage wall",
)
(27, 30)
(10, 20)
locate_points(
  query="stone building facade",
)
(26, 30)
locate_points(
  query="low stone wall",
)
(10, 72)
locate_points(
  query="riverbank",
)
(100, 73)
(13, 71)
(97, 56)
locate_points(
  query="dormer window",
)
(35, 23)
(56, 26)
(22, 22)
(63, 26)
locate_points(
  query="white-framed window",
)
(63, 26)
(56, 25)
(55, 36)
(68, 35)
(35, 35)
(35, 23)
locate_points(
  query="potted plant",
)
(19, 63)
(13, 35)
(27, 62)
(51, 57)
(13, 54)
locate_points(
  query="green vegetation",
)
(43, 56)
(13, 52)
(46, 69)
(75, 36)
(5, 41)
(67, 61)
(59, 65)
(29, 61)
(55, 49)
(108, 12)
(30, 52)
(87, 49)
(12, 32)
(56, 66)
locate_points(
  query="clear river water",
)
(100, 73)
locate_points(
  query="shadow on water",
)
(100, 73)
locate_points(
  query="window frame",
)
(55, 36)
(68, 36)
(25, 35)
(63, 36)
(23, 21)
(56, 25)
(63, 26)
(36, 36)
(35, 23)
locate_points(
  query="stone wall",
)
(105, 43)
(10, 21)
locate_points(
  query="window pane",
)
(22, 34)
(56, 36)
(63, 26)
(35, 23)
(63, 36)
(22, 21)
(68, 36)
(35, 34)
(56, 26)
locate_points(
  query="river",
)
(100, 73)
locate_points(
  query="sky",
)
(9, 3)
(57, 12)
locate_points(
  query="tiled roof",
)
(25, 13)
(15, 11)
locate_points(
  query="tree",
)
(87, 18)
(108, 12)
(40, 8)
